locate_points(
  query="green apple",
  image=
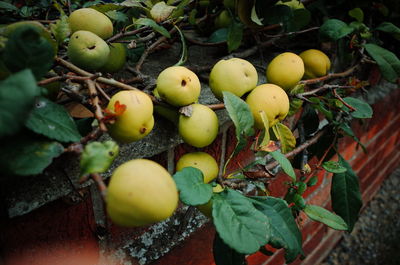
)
(87, 50)
(91, 20)
(271, 99)
(202, 161)
(294, 4)
(235, 75)
(316, 63)
(201, 128)
(285, 70)
(116, 59)
(136, 121)
(178, 86)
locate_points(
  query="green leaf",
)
(104, 8)
(254, 17)
(363, 109)
(239, 224)
(322, 215)
(26, 48)
(335, 29)
(265, 121)
(346, 195)
(97, 157)
(61, 29)
(235, 35)
(179, 11)
(390, 28)
(388, 63)
(151, 23)
(334, 167)
(27, 156)
(241, 116)
(192, 189)
(277, 14)
(345, 127)
(285, 136)
(224, 255)
(52, 120)
(285, 163)
(117, 15)
(295, 103)
(357, 13)
(8, 6)
(184, 52)
(313, 180)
(17, 98)
(220, 35)
(284, 230)
(301, 18)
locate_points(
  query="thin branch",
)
(293, 33)
(297, 150)
(319, 89)
(151, 48)
(216, 106)
(330, 76)
(111, 82)
(127, 33)
(102, 92)
(95, 101)
(67, 77)
(342, 100)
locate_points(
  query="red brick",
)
(324, 248)
(197, 249)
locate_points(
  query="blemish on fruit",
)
(92, 47)
(183, 83)
(142, 130)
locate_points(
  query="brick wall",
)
(62, 233)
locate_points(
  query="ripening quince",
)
(178, 86)
(206, 208)
(87, 50)
(116, 59)
(285, 70)
(91, 20)
(235, 75)
(316, 63)
(294, 4)
(141, 192)
(136, 120)
(201, 128)
(271, 99)
(202, 161)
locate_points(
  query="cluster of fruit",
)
(87, 48)
(141, 191)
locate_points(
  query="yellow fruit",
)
(87, 50)
(201, 128)
(235, 75)
(91, 20)
(116, 59)
(285, 70)
(141, 192)
(270, 98)
(316, 63)
(223, 20)
(294, 4)
(137, 119)
(178, 86)
(200, 160)
(206, 208)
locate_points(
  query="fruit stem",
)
(100, 184)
